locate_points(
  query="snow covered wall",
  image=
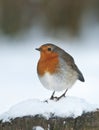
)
(65, 107)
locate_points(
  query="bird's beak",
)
(38, 49)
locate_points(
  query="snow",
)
(38, 128)
(65, 107)
(19, 81)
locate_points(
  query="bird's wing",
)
(70, 61)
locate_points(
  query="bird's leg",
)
(63, 95)
(52, 97)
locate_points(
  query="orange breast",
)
(48, 63)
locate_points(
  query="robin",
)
(56, 69)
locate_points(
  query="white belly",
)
(58, 82)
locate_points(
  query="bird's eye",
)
(49, 49)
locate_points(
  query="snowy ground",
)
(18, 77)
(66, 107)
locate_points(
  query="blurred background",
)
(55, 15)
(26, 24)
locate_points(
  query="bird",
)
(57, 70)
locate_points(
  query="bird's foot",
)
(54, 98)
(57, 98)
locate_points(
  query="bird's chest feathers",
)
(48, 65)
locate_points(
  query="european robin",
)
(56, 69)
